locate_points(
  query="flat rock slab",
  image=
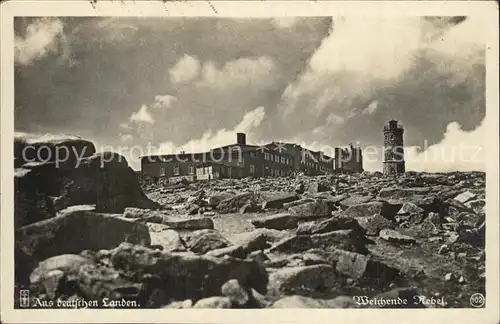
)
(410, 208)
(235, 251)
(459, 206)
(396, 237)
(78, 230)
(297, 202)
(251, 241)
(189, 223)
(350, 240)
(213, 302)
(155, 216)
(279, 200)
(318, 208)
(402, 193)
(68, 263)
(328, 225)
(278, 221)
(233, 204)
(358, 266)
(372, 225)
(343, 239)
(311, 278)
(202, 241)
(318, 186)
(465, 197)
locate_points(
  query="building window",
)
(176, 170)
(276, 158)
(266, 156)
(162, 171)
(191, 169)
(283, 160)
(252, 168)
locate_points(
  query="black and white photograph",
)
(303, 161)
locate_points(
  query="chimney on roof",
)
(241, 139)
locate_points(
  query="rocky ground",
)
(313, 242)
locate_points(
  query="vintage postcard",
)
(258, 161)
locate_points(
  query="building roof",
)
(235, 147)
(287, 148)
(202, 165)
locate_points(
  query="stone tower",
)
(394, 160)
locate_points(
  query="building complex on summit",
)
(394, 162)
(242, 160)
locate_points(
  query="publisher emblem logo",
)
(24, 298)
(477, 300)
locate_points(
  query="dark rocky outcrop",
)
(46, 184)
(77, 230)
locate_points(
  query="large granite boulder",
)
(62, 148)
(49, 182)
(203, 241)
(74, 231)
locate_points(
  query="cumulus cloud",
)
(185, 70)
(142, 116)
(332, 120)
(139, 123)
(428, 71)
(359, 51)
(374, 46)
(164, 101)
(44, 36)
(243, 72)
(368, 52)
(459, 150)
(371, 108)
(126, 138)
(210, 139)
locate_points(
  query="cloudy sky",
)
(190, 84)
